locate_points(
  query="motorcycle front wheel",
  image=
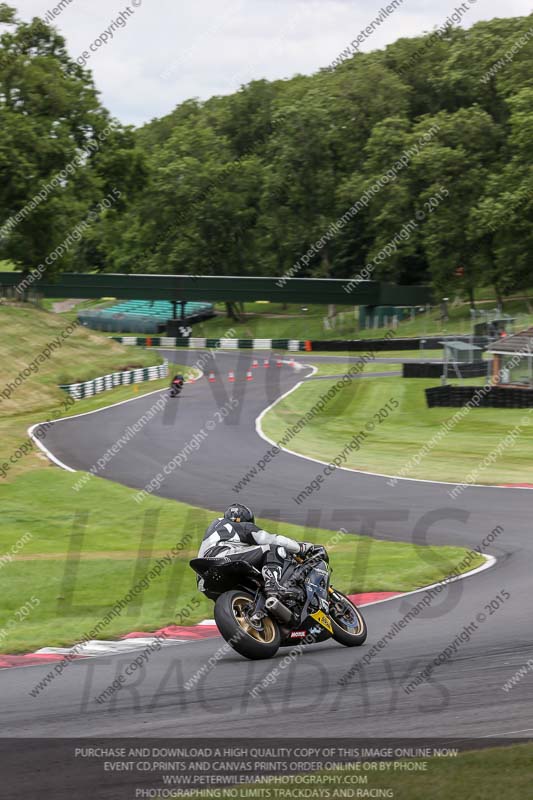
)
(232, 610)
(349, 627)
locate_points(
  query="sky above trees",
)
(410, 164)
(165, 52)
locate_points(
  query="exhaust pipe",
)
(275, 607)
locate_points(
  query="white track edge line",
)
(260, 432)
(490, 562)
(48, 453)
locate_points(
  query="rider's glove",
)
(305, 547)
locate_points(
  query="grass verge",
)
(405, 355)
(491, 773)
(401, 435)
(77, 355)
(327, 368)
(84, 550)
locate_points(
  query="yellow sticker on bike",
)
(323, 620)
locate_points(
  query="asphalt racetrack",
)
(464, 696)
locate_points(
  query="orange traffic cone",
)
(255, 363)
(212, 378)
(249, 376)
(266, 363)
(231, 377)
(278, 362)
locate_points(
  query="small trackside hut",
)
(512, 365)
(509, 385)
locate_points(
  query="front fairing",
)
(314, 618)
(316, 585)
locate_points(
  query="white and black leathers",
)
(224, 537)
(246, 541)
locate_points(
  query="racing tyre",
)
(349, 627)
(232, 611)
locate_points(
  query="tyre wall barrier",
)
(424, 369)
(493, 397)
(419, 343)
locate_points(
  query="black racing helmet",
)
(239, 513)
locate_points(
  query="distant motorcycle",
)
(256, 625)
(176, 386)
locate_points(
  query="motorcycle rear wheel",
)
(231, 619)
(349, 626)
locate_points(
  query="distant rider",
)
(177, 381)
(236, 536)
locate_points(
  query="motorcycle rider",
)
(237, 537)
(177, 381)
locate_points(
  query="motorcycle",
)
(176, 388)
(256, 626)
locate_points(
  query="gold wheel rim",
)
(266, 636)
(360, 626)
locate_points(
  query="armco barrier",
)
(102, 384)
(222, 344)
(495, 397)
(357, 345)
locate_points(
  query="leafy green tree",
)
(452, 172)
(505, 212)
(257, 181)
(58, 152)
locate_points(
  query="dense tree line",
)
(432, 136)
